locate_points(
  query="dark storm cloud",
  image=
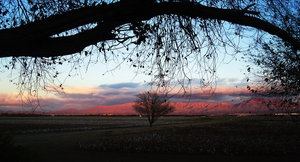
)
(107, 94)
(213, 97)
(221, 82)
(89, 100)
(83, 96)
(121, 85)
(116, 92)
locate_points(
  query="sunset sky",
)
(112, 93)
(111, 88)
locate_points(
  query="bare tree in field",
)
(152, 105)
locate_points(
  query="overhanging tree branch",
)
(35, 39)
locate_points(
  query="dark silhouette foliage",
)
(165, 39)
(279, 71)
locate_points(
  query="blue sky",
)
(228, 70)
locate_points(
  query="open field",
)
(175, 138)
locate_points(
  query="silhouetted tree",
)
(279, 63)
(279, 76)
(162, 38)
(152, 106)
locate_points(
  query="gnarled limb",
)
(36, 39)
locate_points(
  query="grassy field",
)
(92, 138)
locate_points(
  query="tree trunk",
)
(150, 124)
(150, 121)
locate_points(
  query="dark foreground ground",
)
(251, 138)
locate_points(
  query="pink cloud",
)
(117, 99)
